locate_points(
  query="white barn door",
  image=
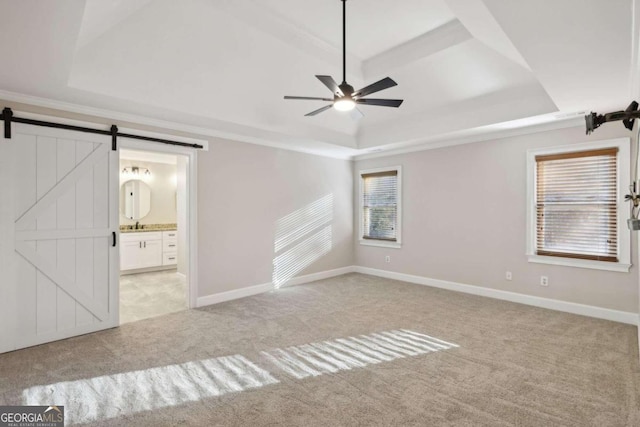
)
(65, 211)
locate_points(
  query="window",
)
(576, 205)
(576, 214)
(380, 207)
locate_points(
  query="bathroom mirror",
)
(135, 199)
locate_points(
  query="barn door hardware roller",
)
(8, 118)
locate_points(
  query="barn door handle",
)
(113, 234)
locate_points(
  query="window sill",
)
(580, 263)
(380, 243)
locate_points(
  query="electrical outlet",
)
(544, 281)
(387, 259)
(508, 275)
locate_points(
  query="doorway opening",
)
(154, 263)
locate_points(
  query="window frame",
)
(379, 242)
(623, 179)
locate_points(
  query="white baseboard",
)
(301, 280)
(147, 270)
(234, 294)
(266, 287)
(569, 307)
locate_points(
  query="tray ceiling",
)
(462, 66)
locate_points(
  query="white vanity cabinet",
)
(169, 247)
(142, 250)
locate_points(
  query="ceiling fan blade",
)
(356, 114)
(385, 83)
(308, 98)
(319, 110)
(380, 102)
(331, 84)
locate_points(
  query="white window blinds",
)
(380, 205)
(576, 205)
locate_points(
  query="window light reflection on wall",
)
(302, 237)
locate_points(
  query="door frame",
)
(8, 307)
(192, 197)
(7, 248)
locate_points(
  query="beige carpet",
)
(350, 351)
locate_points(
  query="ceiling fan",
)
(344, 97)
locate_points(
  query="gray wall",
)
(243, 190)
(464, 214)
(446, 241)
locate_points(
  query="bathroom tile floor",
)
(148, 295)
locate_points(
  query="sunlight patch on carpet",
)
(310, 360)
(112, 396)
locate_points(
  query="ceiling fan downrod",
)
(344, 41)
(346, 88)
(345, 97)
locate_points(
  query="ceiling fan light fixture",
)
(344, 97)
(344, 104)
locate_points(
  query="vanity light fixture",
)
(135, 171)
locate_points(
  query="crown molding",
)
(337, 152)
(228, 131)
(459, 138)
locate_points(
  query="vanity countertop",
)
(148, 228)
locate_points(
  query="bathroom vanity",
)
(145, 247)
(149, 248)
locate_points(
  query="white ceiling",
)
(223, 67)
(372, 26)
